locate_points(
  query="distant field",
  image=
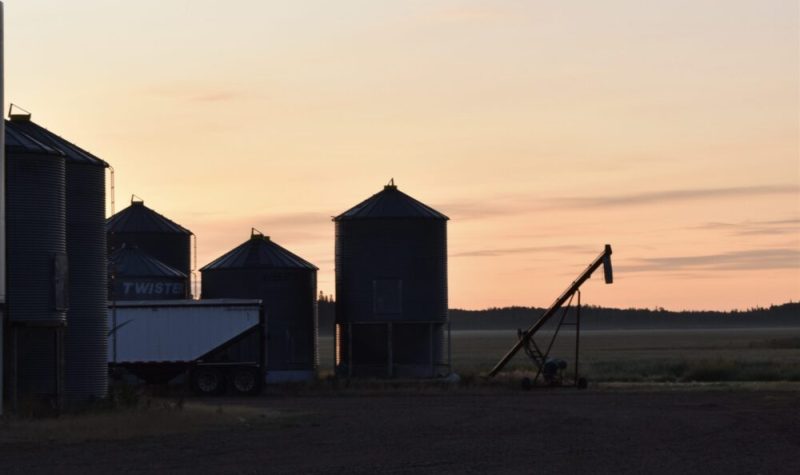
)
(729, 354)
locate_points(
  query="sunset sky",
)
(669, 129)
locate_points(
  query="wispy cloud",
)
(303, 233)
(299, 219)
(519, 250)
(467, 210)
(754, 259)
(302, 219)
(756, 228)
(669, 196)
(510, 205)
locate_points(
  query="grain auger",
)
(552, 369)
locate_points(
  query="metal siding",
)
(35, 242)
(289, 297)
(175, 333)
(86, 369)
(382, 257)
(36, 234)
(411, 251)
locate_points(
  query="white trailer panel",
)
(178, 330)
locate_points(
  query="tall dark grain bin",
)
(391, 288)
(259, 268)
(156, 235)
(139, 276)
(85, 341)
(36, 267)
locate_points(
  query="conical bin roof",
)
(17, 141)
(130, 261)
(73, 153)
(390, 203)
(259, 252)
(138, 218)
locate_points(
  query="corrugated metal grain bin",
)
(135, 275)
(261, 269)
(85, 342)
(391, 288)
(36, 266)
(154, 234)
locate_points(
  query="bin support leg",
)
(349, 350)
(430, 349)
(389, 355)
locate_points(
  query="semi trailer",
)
(218, 344)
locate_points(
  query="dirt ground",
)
(462, 430)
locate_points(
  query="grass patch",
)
(637, 371)
(160, 419)
(777, 386)
(129, 414)
(688, 370)
(790, 343)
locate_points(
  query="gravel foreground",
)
(463, 431)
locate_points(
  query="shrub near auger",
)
(552, 369)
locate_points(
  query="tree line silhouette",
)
(603, 318)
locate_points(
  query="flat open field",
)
(456, 430)
(661, 423)
(728, 354)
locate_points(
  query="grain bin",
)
(159, 237)
(37, 268)
(391, 288)
(261, 269)
(85, 342)
(135, 275)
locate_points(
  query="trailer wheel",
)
(207, 381)
(246, 381)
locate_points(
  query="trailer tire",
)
(207, 381)
(246, 381)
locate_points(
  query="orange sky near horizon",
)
(669, 129)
